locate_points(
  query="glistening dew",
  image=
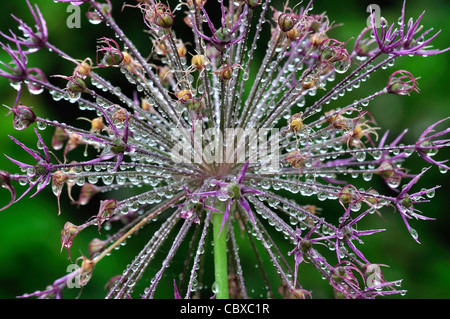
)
(220, 152)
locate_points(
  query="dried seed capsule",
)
(295, 123)
(23, 117)
(199, 61)
(286, 21)
(296, 159)
(76, 84)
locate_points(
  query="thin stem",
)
(137, 226)
(220, 251)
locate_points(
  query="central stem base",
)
(220, 252)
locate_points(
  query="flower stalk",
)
(220, 252)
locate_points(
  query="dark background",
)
(30, 229)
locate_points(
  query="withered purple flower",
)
(197, 150)
(404, 40)
(224, 36)
(32, 40)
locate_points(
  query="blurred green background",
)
(30, 255)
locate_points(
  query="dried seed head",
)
(135, 144)
(84, 68)
(317, 39)
(295, 123)
(184, 95)
(199, 61)
(59, 178)
(294, 34)
(225, 72)
(296, 159)
(97, 124)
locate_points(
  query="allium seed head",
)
(211, 162)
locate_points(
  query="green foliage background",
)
(30, 255)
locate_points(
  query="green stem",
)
(220, 251)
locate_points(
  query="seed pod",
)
(76, 84)
(87, 267)
(84, 68)
(106, 210)
(120, 115)
(199, 61)
(305, 245)
(234, 191)
(68, 233)
(184, 95)
(97, 124)
(293, 34)
(164, 20)
(181, 49)
(23, 117)
(308, 82)
(112, 56)
(402, 83)
(59, 178)
(5, 182)
(223, 34)
(346, 195)
(296, 159)
(286, 21)
(295, 123)
(225, 72)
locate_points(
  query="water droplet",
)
(377, 154)
(215, 288)
(41, 125)
(413, 233)
(431, 193)
(360, 156)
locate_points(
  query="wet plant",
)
(221, 154)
